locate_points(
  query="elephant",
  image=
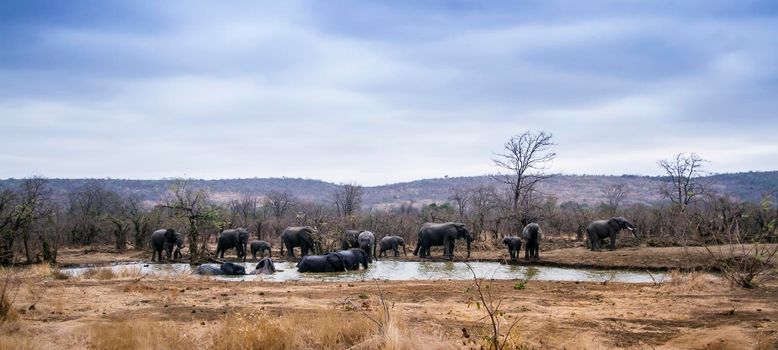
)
(532, 234)
(179, 245)
(264, 267)
(441, 234)
(331, 262)
(305, 237)
(226, 268)
(391, 242)
(349, 239)
(261, 247)
(601, 229)
(163, 239)
(234, 238)
(353, 257)
(514, 246)
(367, 243)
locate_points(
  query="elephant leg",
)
(537, 250)
(289, 250)
(613, 240)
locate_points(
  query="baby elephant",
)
(261, 247)
(514, 246)
(264, 267)
(391, 242)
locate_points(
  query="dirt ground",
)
(691, 311)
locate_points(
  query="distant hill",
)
(748, 186)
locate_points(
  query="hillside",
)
(579, 188)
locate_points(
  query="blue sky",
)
(384, 91)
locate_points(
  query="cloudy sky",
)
(382, 91)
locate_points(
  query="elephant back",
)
(532, 232)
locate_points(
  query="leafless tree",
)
(88, 206)
(194, 205)
(33, 206)
(460, 196)
(347, 198)
(140, 219)
(614, 194)
(245, 209)
(483, 203)
(522, 163)
(279, 203)
(684, 182)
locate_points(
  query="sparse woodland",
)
(35, 220)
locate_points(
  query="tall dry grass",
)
(108, 273)
(318, 330)
(140, 334)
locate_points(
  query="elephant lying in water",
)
(264, 267)
(343, 260)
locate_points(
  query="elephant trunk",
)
(468, 249)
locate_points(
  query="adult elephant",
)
(391, 242)
(331, 262)
(367, 243)
(179, 245)
(601, 229)
(261, 247)
(163, 239)
(513, 244)
(353, 257)
(264, 267)
(305, 237)
(349, 239)
(532, 234)
(226, 268)
(233, 238)
(445, 235)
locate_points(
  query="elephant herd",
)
(358, 247)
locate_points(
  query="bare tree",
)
(347, 198)
(460, 196)
(34, 197)
(614, 194)
(88, 206)
(683, 179)
(279, 203)
(522, 165)
(483, 203)
(140, 219)
(245, 209)
(194, 205)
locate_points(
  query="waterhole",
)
(406, 271)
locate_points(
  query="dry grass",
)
(107, 273)
(9, 286)
(139, 334)
(693, 281)
(256, 330)
(395, 335)
(18, 342)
